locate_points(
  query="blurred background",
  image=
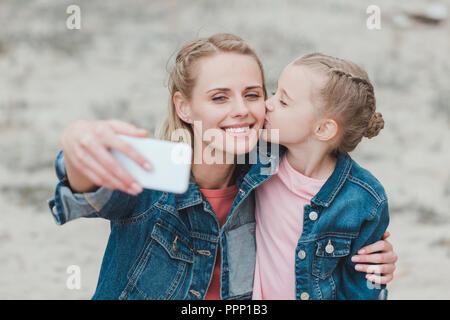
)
(115, 66)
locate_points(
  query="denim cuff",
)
(67, 206)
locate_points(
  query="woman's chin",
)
(241, 146)
(265, 136)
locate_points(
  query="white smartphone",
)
(171, 162)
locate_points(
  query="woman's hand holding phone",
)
(89, 164)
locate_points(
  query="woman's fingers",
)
(380, 279)
(380, 253)
(107, 179)
(114, 142)
(389, 257)
(91, 169)
(98, 146)
(382, 245)
(87, 146)
(121, 127)
(109, 138)
(113, 172)
(386, 235)
(94, 155)
(376, 269)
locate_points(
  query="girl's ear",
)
(326, 130)
(182, 107)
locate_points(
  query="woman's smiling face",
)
(228, 98)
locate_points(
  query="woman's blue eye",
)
(221, 98)
(253, 95)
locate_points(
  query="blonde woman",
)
(196, 245)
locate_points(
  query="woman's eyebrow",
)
(228, 89)
(253, 87)
(219, 89)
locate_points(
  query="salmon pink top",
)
(221, 201)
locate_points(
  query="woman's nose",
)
(240, 108)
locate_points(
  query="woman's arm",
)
(89, 164)
(381, 260)
(92, 183)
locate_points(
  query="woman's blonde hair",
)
(348, 96)
(182, 77)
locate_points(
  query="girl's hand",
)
(383, 258)
(89, 164)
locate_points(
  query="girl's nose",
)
(268, 105)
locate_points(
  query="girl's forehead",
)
(294, 79)
(301, 82)
(295, 72)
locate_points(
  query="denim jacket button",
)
(329, 248)
(313, 215)
(195, 293)
(304, 296)
(301, 254)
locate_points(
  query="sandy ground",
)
(115, 67)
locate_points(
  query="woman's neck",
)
(213, 176)
(312, 161)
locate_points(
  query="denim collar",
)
(331, 188)
(248, 176)
(267, 163)
(191, 197)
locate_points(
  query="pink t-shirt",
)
(279, 224)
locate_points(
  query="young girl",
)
(195, 245)
(320, 207)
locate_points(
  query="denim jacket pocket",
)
(327, 255)
(161, 268)
(176, 246)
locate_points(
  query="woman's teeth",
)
(237, 130)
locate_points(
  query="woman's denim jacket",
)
(164, 245)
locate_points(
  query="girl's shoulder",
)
(367, 182)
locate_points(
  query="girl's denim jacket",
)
(164, 245)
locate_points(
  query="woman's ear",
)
(182, 107)
(326, 129)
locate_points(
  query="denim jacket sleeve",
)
(355, 285)
(67, 205)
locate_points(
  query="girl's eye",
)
(283, 103)
(273, 93)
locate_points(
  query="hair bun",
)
(376, 123)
